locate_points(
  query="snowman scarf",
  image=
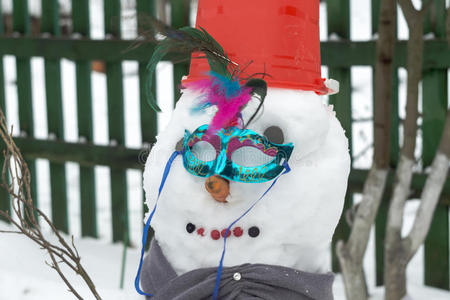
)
(248, 281)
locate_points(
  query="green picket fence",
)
(339, 56)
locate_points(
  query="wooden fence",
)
(339, 56)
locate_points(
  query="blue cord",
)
(147, 224)
(147, 227)
(219, 269)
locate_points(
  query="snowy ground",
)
(23, 275)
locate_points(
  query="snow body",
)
(296, 218)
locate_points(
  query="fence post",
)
(80, 19)
(21, 25)
(116, 123)
(180, 11)
(339, 23)
(4, 197)
(50, 25)
(380, 222)
(434, 108)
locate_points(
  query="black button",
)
(253, 231)
(274, 134)
(190, 227)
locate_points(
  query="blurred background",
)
(71, 86)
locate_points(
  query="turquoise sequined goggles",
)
(235, 154)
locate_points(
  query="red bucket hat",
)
(279, 38)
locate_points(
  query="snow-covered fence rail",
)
(335, 54)
(338, 54)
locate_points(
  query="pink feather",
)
(214, 92)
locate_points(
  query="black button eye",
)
(179, 145)
(190, 228)
(253, 231)
(274, 134)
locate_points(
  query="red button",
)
(201, 231)
(238, 231)
(215, 234)
(223, 233)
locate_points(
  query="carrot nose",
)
(218, 187)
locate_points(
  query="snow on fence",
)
(74, 92)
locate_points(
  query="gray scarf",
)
(244, 282)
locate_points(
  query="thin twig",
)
(10, 231)
(26, 215)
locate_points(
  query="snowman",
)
(246, 184)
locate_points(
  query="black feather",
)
(258, 87)
(184, 42)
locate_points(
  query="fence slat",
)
(338, 18)
(80, 18)
(116, 124)
(21, 24)
(434, 108)
(145, 9)
(50, 25)
(179, 18)
(4, 198)
(436, 250)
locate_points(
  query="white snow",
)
(360, 20)
(23, 274)
(34, 7)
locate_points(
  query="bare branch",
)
(75, 248)
(26, 214)
(351, 253)
(55, 266)
(404, 170)
(409, 10)
(404, 175)
(431, 192)
(367, 210)
(10, 231)
(397, 249)
(357, 156)
(383, 80)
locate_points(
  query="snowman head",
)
(234, 162)
(294, 222)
